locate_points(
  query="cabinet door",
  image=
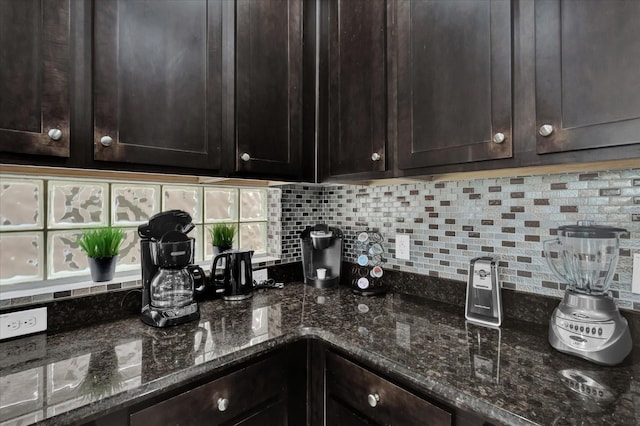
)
(268, 88)
(157, 82)
(361, 397)
(34, 77)
(339, 414)
(248, 396)
(454, 81)
(587, 74)
(357, 86)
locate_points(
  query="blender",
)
(587, 322)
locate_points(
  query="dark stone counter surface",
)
(509, 376)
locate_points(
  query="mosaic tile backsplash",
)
(449, 223)
(452, 222)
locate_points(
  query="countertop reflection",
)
(509, 375)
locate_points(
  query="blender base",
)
(590, 327)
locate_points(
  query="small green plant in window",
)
(222, 235)
(101, 242)
(102, 246)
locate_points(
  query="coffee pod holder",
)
(368, 274)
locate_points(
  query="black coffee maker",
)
(169, 278)
(321, 255)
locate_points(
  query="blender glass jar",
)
(588, 256)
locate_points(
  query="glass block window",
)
(77, 204)
(41, 221)
(22, 206)
(134, 204)
(221, 205)
(21, 230)
(22, 257)
(185, 198)
(65, 258)
(246, 207)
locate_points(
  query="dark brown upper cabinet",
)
(587, 74)
(356, 76)
(454, 82)
(34, 77)
(158, 82)
(265, 121)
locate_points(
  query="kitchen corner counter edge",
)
(507, 376)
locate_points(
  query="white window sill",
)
(15, 291)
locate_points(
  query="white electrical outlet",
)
(402, 247)
(23, 322)
(635, 280)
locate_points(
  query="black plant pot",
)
(103, 268)
(219, 249)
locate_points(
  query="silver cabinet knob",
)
(498, 138)
(223, 404)
(245, 156)
(55, 134)
(375, 156)
(546, 130)
(106, 140)
(373, 399)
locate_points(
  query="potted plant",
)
(222, 235)
(102, 246)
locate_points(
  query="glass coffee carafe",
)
(173, 285)
(171, 288)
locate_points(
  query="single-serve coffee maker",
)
(169, 278)
(321, 255)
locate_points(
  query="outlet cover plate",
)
(635, 280)
(402, 247)
(24, 322)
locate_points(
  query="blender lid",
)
(586, 229)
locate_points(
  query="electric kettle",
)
(234, 274)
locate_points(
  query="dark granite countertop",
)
(509, 376)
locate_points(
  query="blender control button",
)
(593, 330)
(600, 331)
(587, 330)
(581, 329)
(571, 326)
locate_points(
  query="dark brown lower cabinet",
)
(252, 395)
(267, 391)
(306, 383)
(357, 396)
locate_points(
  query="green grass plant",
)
(222, 234)
(102, 242)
